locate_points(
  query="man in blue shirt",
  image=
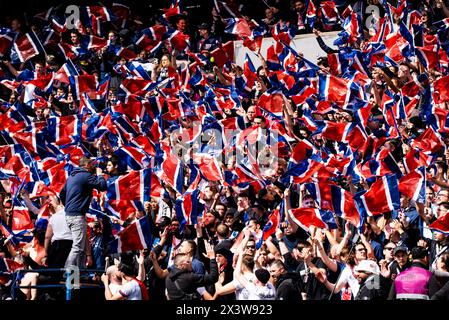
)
(76, 196)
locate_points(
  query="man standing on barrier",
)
(76, 197)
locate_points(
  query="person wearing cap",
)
(413, 283)
(76, 196)
(372, 284)
(400, 263)
(224, 260)
(207, 42)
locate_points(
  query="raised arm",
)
(287, 207)
(141, 262)
(345, 239)
(160, 273)
(331, 264)
(29, 203)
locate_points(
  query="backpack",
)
(187, 296)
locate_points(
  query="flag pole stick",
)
(266, 4)
(45, 52)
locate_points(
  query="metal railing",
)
(72, 281)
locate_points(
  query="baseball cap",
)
(203, 26)
(400, 249)
(368, 266)
(262, 275)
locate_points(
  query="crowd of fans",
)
(223, 253)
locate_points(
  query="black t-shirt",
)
(315, 289)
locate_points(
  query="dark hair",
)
(126, 269)
(262, 275)
(279, 263)
(419, 253)
(303, 244)
(114, 160)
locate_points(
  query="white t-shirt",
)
(253, 292)
(131, 291)
(347, 276)
(114, 288)
(60, 229)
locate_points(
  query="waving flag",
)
(134, 158)
(63, 130)
(175, 9)
(441, 224)
(334, 89)
(209, 167)
(28, 46)
(223, 54)
(238, 27)
(136, 185)
(307, 217)
(137, 236)
(246, 80)
(122, 209)
(188, 208)
(21, 219)
(9, 265)
(6, 40)
(328, 14)
(311, 14)
(284, 32)
(344, 206)
(382, 197)
(428, 56)
(172, 169)
(270, 227)
(442, 25)
(413, 185)
(429, 141)
(440, 89)
(303, 171)
(179, 40)
(272, 102)
(321, 192)
(85, 84)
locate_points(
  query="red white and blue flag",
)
(274, 220)
(413, 185)
(308, 217)
(136, 185)
(382, 197)
(28, 46)
(137, 236)
(441, 224)
(189, 208)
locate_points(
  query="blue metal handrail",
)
(67, 285)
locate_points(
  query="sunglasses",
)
(250, 247)
(390, 249)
